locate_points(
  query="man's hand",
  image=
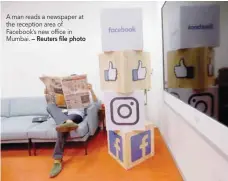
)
(89, 86)
(92, 93)
(45, 91)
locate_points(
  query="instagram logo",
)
(175, 94)
(124, 111)
(204, 102)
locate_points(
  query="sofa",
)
(17, 126)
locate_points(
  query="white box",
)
(121, 29)
(125, 112)
(196, 26)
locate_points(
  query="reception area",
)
(123, 91)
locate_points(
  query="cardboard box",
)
(190, 68)
(131, 148)
(125, 71)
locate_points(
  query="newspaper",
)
(74, 88)
(53, 87)
(49, 92)
(76, 91)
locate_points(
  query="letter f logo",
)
(117, 146)
(143, 145)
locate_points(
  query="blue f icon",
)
(140, 145)
(115, 146)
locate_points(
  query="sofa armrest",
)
(92, 117)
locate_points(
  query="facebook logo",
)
(200, 27)
(122, 29)
(116, 145)
(140, 145)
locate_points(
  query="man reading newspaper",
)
(78, 94)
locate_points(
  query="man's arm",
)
(94, 97)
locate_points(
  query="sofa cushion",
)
(28, 106)
(3, 119)
(5, 107)
(82, 130)
(16, 128)
(46, 130)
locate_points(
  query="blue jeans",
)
(60, 118)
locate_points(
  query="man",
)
(65, 124)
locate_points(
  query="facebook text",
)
(201, 27)
(121, 30)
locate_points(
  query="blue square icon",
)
(116, 145)
(140, 145)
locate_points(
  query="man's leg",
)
(59, 145)
(65, 124)
(56, 113)
(58, 153)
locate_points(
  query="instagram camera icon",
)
(204, 102)
(124, 111)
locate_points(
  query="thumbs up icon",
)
(182, 71)
(111, 73)
(139, 73)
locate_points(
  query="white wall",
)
(196, 156)
(24, 62)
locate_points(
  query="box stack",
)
(125, 72)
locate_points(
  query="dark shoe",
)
(56, 169)
(66, 127)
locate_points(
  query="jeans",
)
(60, 118)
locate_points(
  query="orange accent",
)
(102, 106)
(59, 100)
(98, 165)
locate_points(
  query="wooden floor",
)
(96, 166)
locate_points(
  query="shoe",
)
(66, 127)
(56, 169)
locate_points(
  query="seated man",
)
(65, 124)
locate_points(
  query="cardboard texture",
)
(125, 71)
(132, 148)
(190, 68)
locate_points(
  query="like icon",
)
(139, 73)
(111, 73)
(182, 71)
